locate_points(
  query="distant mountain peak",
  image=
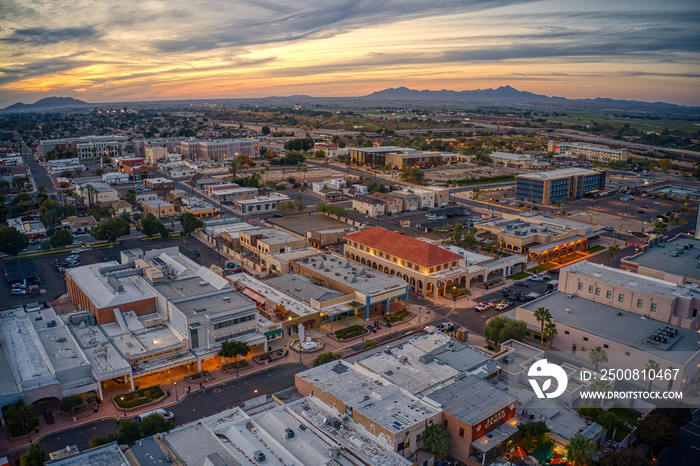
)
(46, 103)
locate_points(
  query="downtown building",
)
(87, 147)
(589, 152)
(552, 187)
(223, 149)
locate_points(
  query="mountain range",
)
(501, 97)
(46, 104)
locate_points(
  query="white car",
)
(446, 326)
(538, 277)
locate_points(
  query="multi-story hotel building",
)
(558, 185)
(602, 154)
(221, 148)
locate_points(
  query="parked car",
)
(525, 284)
(481, 307)
(538, 277)
(446, 326)
(19, 292)
(608, 228)
(502, 306)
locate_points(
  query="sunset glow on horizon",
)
(155, 50)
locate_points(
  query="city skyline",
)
(182, 50)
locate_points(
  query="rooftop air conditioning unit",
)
(259, 456)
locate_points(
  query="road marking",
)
(690, 432)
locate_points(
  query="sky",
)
(128, 50)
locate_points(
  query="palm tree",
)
(652, 366)
(436, 439)
(612, 252)
(580, 450)
(599, 386)
(596, 356)
(549, 331)
(543, 316)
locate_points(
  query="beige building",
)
(392, 205)
(266, 241)
(155, 155)
(368, 205)
(601, 154)
(158, 208)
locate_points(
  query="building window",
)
(461, 431)
(566, 332)
(580, 286)
(444, 423)
(620, 297)
(653, 307)
(627, 353)
(585, 338)
(606, 346)
(597, 291)
(640, 302)
(590, 288)
(608, 294)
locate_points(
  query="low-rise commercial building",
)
(159, 184)
(115, 178)
(247, 205)
(79, 225)
(368, 205)
(267, 241)
(558, 185)
(674, 260)
(589, 152)
(94, 192)
(141, 172)
(158, 208)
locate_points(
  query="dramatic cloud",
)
(131, 49)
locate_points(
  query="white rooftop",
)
(558, 174)
(259, 291)
(102, 293)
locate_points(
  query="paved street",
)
(195, 406)
(686, 450)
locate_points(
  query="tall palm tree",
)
(612, 252)
(596, 356)
(549, 331)
(580, 450)
(652, 366)
(543, 316)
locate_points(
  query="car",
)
(78, 251)
(522, 283)
(481, 307)
(19, 292)
(534, 207)
(77, 243)
(538, 277)
(440, 217)
(502, 306)
(446, 326)
(656, 203)
(277, 216)
(640, 212)
(608, 228)
(432, 217)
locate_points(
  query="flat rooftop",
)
(685, 264)
(273, 236)
(630, 280)
(388, 405)
(470, 257)
(367, 281)
(102, 293)
(587, 146)
(110, 454)
(107, 362)
(612, 324)
(62, 349)
(266, 198)
(558, 174)
(353, 438)
(191, 296)
(302, 288)
(259, 291)
(459, 399)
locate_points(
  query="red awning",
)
(556, 459)
(518, 453)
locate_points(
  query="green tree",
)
(436, 439)
(61, 239)
(656, 431)
(651, 367)
(324, 358)
(549, 331)
(19, 414)
(286, 206)
(543, 316)
(130, 197)
(597, 355)
(612, 252)
(150, 225)
(190, 223)
(154, 424)
(369, 344)
(624, 457)
(660, 228)
(35, 456)
(580, 450)
(129, 432)
(70, 402)
(111, 229)
(665, 164)
(12, 242)
(265, 130)
(501, 328)
(19, 181)
(457, 234)
(534, 435)
(414, 175)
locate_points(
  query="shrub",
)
(370, 343)
(324, 358)
(139, 397)
(395, 316)
(350, 332)
(70, 402)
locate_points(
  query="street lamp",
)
(122, 398)
(175, 385)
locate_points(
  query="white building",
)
(258, 204)
(222, 148)
(115, 178)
